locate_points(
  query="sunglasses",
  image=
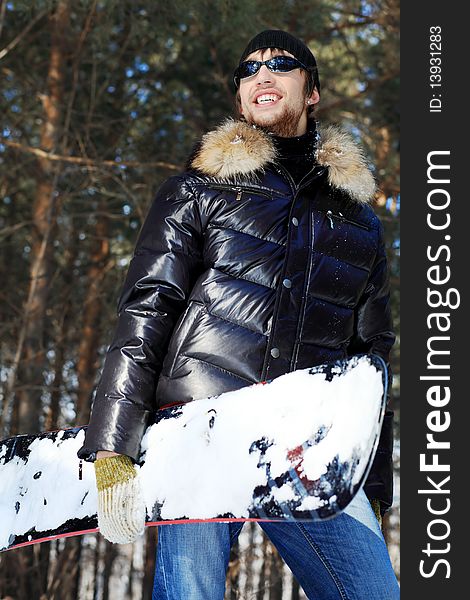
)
(277, 64)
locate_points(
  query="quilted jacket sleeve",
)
(166, 261)
(374, 330)
(374, 334)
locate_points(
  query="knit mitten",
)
(376, 508)
(121, 507)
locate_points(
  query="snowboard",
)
(296, 448)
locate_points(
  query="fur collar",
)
(236, 150)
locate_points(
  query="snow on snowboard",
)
(298, 447)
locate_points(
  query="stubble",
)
(285, 125)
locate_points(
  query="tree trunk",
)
(149, 563)
(264, 573)
(234, 571)
(130, 583)
(96, 568)
(295, 589)
(66, 321)
(53, 413)
(276, 576)
(64, 571)
(250, 559)
(386, 527)
(32, 353)
(43, 555)
(110, 554)
(388, 183)
(91, 334)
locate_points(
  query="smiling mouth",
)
(267, 99)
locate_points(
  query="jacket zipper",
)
(297, 187)
(280, 169)
(295, 191)
(264, 371)
(240, 189)
(320, 171)
(331, 216)
(303, 307)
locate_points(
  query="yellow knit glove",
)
(376, 508)
(121, 507)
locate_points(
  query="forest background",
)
(101, 101)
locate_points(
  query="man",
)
(261, 258)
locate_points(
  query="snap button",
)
(287, 283)
(275, 352)
(295, 221)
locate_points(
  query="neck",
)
(297, 153)
(297, 144)
(302, 125)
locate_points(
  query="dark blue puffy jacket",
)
(239, 276)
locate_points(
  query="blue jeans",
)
(344, 558)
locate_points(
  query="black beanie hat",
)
(276, 38)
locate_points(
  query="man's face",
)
(286, 114)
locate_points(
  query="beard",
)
(284, 124)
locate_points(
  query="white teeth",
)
(266, 98)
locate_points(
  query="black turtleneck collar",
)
(297, 154)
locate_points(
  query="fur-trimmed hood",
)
(236, 150)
